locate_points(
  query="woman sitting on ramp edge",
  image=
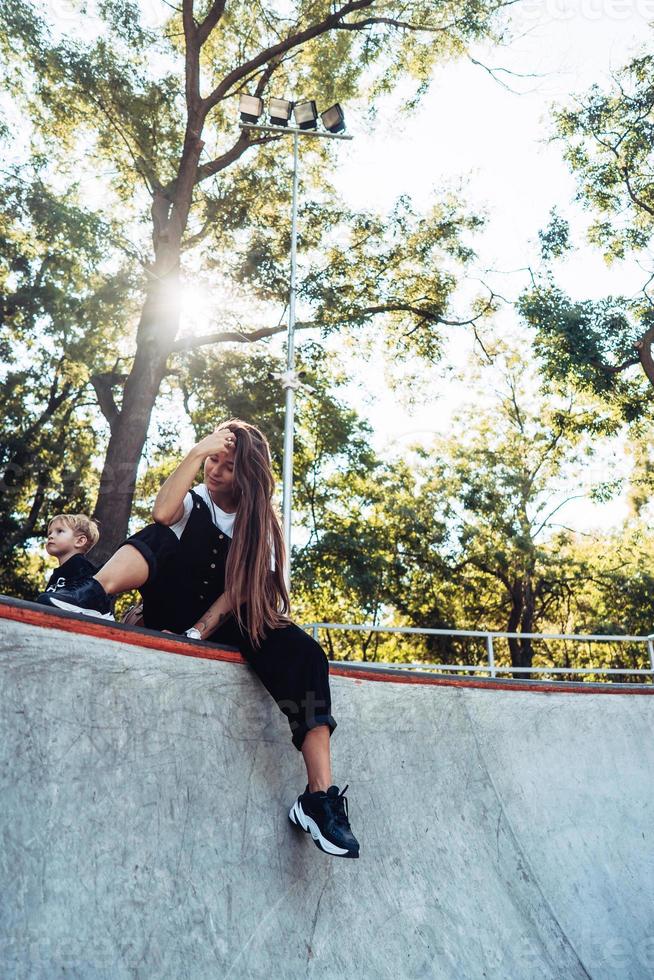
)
(212, 567)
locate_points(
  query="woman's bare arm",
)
(214, 616)
(169, 505)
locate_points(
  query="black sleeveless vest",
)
(192, 576)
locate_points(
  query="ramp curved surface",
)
(504, 832)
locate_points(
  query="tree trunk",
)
(155, 337)
(522, 615)
(156, 334)
(527, 625)
(121, 463)
(513, 622)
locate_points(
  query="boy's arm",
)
(169, 504)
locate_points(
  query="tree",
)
(612, 594)
(154, 105)
(333, 474)
(483, 543)
(52, 279)
(605, 346)
(465, 535)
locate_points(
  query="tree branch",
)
(494, 72)
(493, 572)
(238, 149)
(624, 170)
(428, 316)
(192, 47)
(244, 141)
(56, 398)
(421, 312)
(644, 348)
(196, 236)
(210, 21)
(224, 336)
(358, 25)
(632, 194)
(607, 369)
(489, 357)
(140, 166)
(25, 530)
(231, 336)
(276, 50)
(103, 385)
(576, 496)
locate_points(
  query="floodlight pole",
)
(290, 380)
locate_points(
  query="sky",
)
(495, 140)
(470, 127)
(490, 140)
(487, 136)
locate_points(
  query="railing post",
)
(314, 631)
(650, 650)
(491, 654)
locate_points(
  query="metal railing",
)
(491, 668)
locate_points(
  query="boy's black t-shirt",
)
(70, 573)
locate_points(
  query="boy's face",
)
(63, 540)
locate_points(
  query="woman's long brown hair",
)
(250, 580)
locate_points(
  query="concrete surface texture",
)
(504, 834)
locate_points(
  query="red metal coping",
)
(119, 633)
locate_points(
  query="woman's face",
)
(219, 474)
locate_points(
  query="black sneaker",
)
(324, 816)
(87, 597)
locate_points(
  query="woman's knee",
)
(302, 643)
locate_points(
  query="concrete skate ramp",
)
(505, 832)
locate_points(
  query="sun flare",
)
(198, 305)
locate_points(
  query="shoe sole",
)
(298, 818)
(69, 607)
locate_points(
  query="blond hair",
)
(80, 524)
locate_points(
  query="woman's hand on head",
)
(217, 442)
(169, 504)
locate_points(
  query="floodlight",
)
(250, 108)
(279, 111)
(305, 114)
(333, 119)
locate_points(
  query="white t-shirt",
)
(223, 521)
(221, 518)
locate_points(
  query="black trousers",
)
(290, 664)
(294, 670)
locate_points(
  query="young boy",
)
(70, 536)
